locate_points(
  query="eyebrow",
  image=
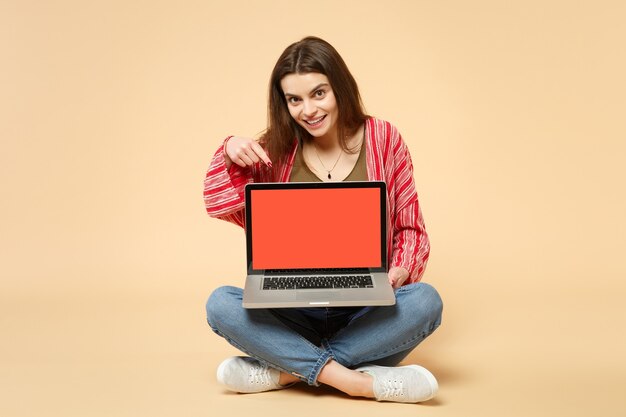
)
(312, 91)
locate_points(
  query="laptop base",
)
(380, 295)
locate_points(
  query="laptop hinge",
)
(321, 271)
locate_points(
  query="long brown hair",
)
(311, 54)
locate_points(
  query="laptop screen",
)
(315, 228)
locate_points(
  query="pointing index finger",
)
(261, 153)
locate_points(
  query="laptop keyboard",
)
(334, 281)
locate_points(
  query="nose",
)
(309, 108)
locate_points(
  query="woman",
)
(318, 131)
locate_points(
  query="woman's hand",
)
(397, 276)
(244, 152)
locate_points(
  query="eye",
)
(292, 100)
(319, 93)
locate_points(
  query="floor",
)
(116, 353)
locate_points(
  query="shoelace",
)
(259, 375)
(392, 388)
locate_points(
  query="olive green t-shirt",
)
(302, 173)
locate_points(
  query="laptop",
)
(319, 244)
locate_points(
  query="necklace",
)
(324, 166)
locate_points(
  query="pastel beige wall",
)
(513, 111)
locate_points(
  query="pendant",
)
(329, 175)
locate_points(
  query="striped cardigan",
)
(388, 160)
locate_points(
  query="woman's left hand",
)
(397, 276)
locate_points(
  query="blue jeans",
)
(301, 341)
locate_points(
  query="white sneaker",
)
(405, 384)
(247, 375)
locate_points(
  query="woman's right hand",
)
(244, 152)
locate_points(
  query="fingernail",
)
(269, 164)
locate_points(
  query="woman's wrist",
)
(227, 159)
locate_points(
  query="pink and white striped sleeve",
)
(224, 189)
(411, 246)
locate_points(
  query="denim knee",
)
(426, 302)
(220, 305)
(432, 304)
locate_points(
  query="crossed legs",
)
(382, 335)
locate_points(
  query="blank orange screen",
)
(316, 228)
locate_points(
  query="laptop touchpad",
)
(317, 295)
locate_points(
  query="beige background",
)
(111, 110)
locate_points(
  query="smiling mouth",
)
(315, 122)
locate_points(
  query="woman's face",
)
(311, 102)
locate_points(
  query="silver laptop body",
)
(282, 218)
